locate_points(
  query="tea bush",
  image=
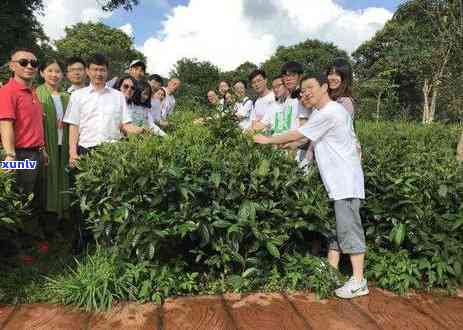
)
(13, 207)
(413, 199)
(210, 200)
(206, 193)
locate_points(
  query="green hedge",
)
(208, 198)
(205, 193)
(413, 200)
(14, 208)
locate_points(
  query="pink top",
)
(347, 103)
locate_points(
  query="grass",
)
(23, 276)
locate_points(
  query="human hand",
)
(291, 145)
(73, 160)
(44, 157)
(261, 139)
(8, 159)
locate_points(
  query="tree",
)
(20, 27)
(314, 55)
(197, 78)
(422, 45)
(84, 39)
(374, 91)
(240, 73)
(110, 5)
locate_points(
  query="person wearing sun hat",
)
(137, 69)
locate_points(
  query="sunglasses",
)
(125, 86)
(23, 62)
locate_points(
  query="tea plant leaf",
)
(215, 178)
(151, 251)
(399, 233)
(458, 224)
(264, 168)
(8, 220)
(204, 233)
(272, 249)
(249, 271)
(221, 224)
(443, 190)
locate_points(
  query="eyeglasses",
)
(257, 81)
(23, 62)
(290, 75)
(76, 70)
(125, 86)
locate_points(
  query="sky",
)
(226, 32)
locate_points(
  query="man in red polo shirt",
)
(21, 118)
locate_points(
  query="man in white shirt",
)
(156, 82)
(283, 114)
(330, 129)
(266, 99)
(75, 72)
(243, 105)
(137, 69)
(168, 104)
(97, 113)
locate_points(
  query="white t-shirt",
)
(243, 111)
(261, 105)
(155, 110)
(331, 131)
(281, 117)
(167, 106)
(59, 115)
(304, 113)
(98, 114)
(138, 114)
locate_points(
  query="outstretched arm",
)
(292, 135)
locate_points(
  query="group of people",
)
(54, 127)
(311, 113)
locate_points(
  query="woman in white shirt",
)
(243, 105)
(155, 115)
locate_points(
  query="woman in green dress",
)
(55, 178)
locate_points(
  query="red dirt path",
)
(379, 310)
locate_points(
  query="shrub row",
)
(208, 199)
(14, 208)
(205, 193)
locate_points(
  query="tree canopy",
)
(84, 39)
(197, 78)
(313, 54)
(422, 46)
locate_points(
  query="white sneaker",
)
(352, 289)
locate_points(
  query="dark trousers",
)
(84, 235)
(26, 180)
(81, 151)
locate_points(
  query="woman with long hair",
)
(55, 179)
(156, 106)
(340, 80)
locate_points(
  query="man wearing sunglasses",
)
(21, 118)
